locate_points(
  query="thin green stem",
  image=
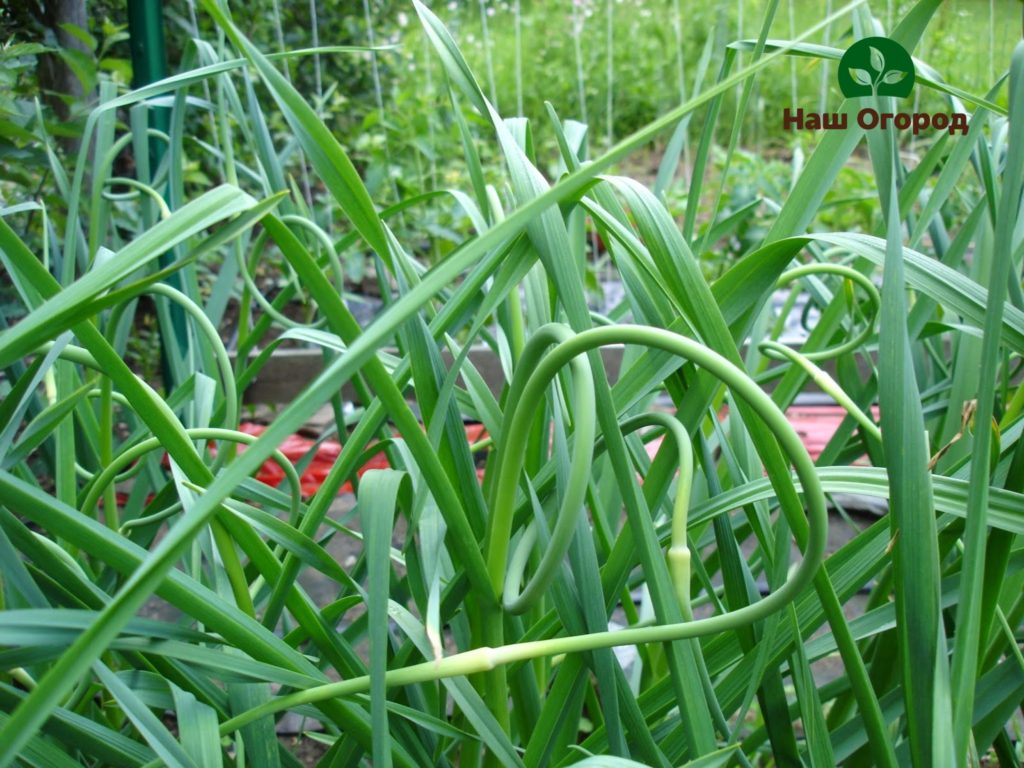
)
(136, 452)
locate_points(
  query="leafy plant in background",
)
(485, 615)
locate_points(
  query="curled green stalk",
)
(106, 163)
(118, 146)
(533, 375)
(245, 270)
(208, 329)
(678, 555)
(130, 455)
(484, 659)
(104, 395)
(807, 361)
(824, 382)
(527, 391)
(138, 187)
(874, 300)
(156, 517)
(325, 240)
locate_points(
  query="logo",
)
(876, 66)
(870, 68)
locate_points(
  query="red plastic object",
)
(327, 453)
(815, 424)
(294, 448)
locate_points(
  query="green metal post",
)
(149, 61)
(149, 64)
(149, 55)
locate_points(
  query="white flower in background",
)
(402, 18)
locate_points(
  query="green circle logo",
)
(876, 66)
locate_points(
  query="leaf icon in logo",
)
(876, 66)
(877, 59)
(861, 76)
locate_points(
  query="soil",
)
(306, 750)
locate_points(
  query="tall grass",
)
(474, 627)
